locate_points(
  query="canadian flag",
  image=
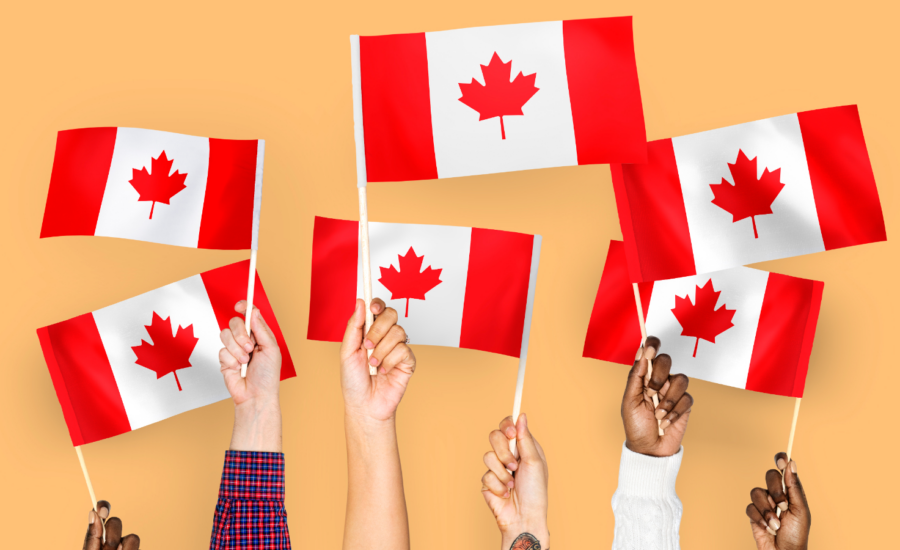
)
(496, 99)
(156, 186)
(763, 190)
(150, 357)
(452, 286)
(740, 327)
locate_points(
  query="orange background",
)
(281, 71)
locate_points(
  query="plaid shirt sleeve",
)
(250, 513)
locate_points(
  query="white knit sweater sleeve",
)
(647, 510)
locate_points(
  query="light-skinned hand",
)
(638, 413)
(791, 530)
(519, 499)
(93, 539)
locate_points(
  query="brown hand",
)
(791, 530)
(93, 539)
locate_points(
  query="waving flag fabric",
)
(496, 99)
(763, 190)
(150, 357)
(740, 327)
(452, 286)
(156, 186)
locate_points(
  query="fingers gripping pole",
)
(250, 287)
(366, 266)
(87, 478)
(640, 311)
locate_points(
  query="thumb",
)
(796, 494)
(264, 335)
(353, 335)
(525, 441)
(634, 387)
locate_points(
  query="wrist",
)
(537, 530)
(257, 426)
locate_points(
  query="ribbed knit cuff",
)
(648, 476)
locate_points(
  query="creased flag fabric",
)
(496, 99)
(763, 190)
(156, 186)
(150, 357)
(740, 327)
(452, 286)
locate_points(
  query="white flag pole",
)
(640, 312)
(251, 285)
(526, 334)
(87, 477)
(790, 446)
(360, 138)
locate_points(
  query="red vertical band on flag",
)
(604, 91)
(652, 215)
(808, 336)
(227, 221)
(84, 381)
(496, 291)
(775, 363)
(78, 181)
(396, 106)
(332, 292)
(614, 332)
(226, 286)
(842, 180)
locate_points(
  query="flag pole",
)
(359, 137)
(790, 446)
(526, 334)
(87, 477)
(640, 312)
(251, 285)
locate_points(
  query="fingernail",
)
(771, 501)
(771, 532)
(512, 466)
(104, 512)
(248, 347)
(793, 467)
(640, 353)
(510, 484)
(120, 547)
(506, 495)
(650, 392)
(91, 516)
(781, 464)
(650, 353)
(661, 413)
(783, 506)
(373, 361)
(774, 524)
(510, 433)
(369, 344)
(245, 359)
(665, 424)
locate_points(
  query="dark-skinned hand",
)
(791, 530)
(93, 540)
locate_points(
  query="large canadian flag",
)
(740, 327)
(452, 286)
(150, 357)
(496, 99)
(156, 186)
(763, 190)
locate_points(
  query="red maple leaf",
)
(410, 281)
(702, 319)
(157, 186)
(498, 97)
(167, 353)
(749, 196)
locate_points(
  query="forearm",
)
(376, 506)
(257, 427)
(536, 538)
(646, 507)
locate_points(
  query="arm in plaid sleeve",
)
(250, 512)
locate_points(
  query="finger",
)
(634, 387)
(490, 481)
(660, 374)
(394, 336)
(500, 446)
(103, 508)
(508, 427)
(380, 328)
(773, 483)
(113, 534)
(377, 306)
(677, 386)
(499, 469)
(796, 494)
(757, 520)
(401, 356)
(239, 332)
(131, 542)
(93, 539)
(227, 360)
(527, 446)
(682, 408)
(781, 461)
(265, 338)
(353, 334)
(760, 499)
(240, 354)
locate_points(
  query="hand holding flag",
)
(790, 530)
